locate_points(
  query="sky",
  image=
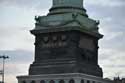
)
(17, 18)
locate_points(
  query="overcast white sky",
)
(17, 18)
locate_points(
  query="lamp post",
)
(3, 57)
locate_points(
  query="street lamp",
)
(3, 57)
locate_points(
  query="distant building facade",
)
(66, 46)
(119, 80)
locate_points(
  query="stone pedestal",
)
(61, 78)
(66, 52)
(66, 46)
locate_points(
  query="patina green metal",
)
(66, 6)
(67, 15)
(73, 3)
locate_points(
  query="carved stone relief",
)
(53, 41)
(88, 56)
(86, 43)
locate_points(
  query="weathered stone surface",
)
(77, 52)
(75, 77)
(66, 41)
